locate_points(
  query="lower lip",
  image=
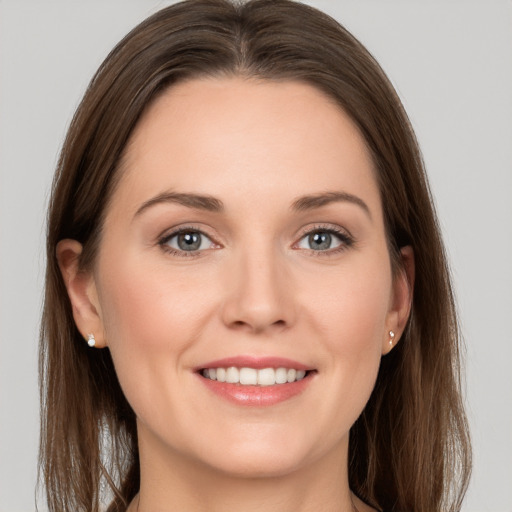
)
(257, 396)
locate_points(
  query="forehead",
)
(236, 137)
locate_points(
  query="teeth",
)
(281, 375)
(253, 377)
(291, 375)
(248, 376)
(232, 375)
(267, 377)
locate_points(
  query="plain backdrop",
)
(451, 62)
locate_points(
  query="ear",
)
(81, 291)
(401, 300)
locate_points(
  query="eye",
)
(322, 240)
(186, 240)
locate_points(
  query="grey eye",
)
(320, 241)
(189, 241)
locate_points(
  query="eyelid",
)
(345, 237)
(168, 234)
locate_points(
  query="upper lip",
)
(256, 362)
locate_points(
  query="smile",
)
(256, 381)
(254, 377)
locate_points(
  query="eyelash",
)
(347, 241)
(164, 240)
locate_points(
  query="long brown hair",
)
(409, 450)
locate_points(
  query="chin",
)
(268, 457)
(258, 467)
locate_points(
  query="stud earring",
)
(91, 340)
(391, 337)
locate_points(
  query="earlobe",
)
(82, 294)
(403, 288)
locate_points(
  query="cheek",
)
(151, 316)
(147, 308)
(354, 325)
(351, 316)
(355, 305)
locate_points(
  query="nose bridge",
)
(258, 297)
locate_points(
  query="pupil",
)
(189, 241)
(320, 240)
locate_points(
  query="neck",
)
(173, 482)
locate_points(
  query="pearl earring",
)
(91, 340)
(392, 337)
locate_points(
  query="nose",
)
(259, 293)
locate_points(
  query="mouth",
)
(256, 381)
(246, 376)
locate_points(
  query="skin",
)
(255, 287)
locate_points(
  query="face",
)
(243, 283)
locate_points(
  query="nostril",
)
(258, 326)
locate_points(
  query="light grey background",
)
(451, 62)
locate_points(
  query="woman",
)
(242, 231)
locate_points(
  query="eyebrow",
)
(212, 204)
(323, 199)
(199, 202)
